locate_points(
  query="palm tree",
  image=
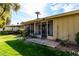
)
(5, 9)
(8, 21)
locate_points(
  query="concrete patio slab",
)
(44, 42)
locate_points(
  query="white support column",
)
(41, 29)
(47, 27)
(34, 28)
(30, 28)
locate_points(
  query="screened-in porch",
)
(42, 29)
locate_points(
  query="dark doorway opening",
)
(44, 30)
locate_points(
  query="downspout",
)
(57, 39)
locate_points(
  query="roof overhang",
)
(52, 17)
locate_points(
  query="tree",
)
(7, 7)
(5, 12)
(8, 21)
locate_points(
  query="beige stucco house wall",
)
(68, 26)
(65, 25)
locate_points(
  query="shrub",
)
(21, 31)
(77, 38)
(26, 34)
(3, 33)
(58, 40)
(63, 42)
(8, 32)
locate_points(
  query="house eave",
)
(52, 17)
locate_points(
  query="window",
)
(50, 28)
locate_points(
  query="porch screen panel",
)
(50, 28)
(38, 28)
(32, 28)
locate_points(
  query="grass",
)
(4, 38)
(5, 49)
(10, 46)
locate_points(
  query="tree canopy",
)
(5, 12)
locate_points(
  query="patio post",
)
(30, 28)
(41, 29)
(47, 27)
(34, 28)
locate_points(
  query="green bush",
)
(77, 38)
(3, 33)
(58, 40)
(8, 32)
(63, 42)
(21, 31)
(26, 33)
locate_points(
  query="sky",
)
(45, 7)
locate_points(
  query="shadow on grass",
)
(32, 49)
(28, 49)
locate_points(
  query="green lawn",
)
(10, 46)
(5, 49)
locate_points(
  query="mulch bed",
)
(69, 47)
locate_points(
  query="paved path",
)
(44, 42)
(53, 44)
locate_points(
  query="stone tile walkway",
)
(44, 42)
(53, 44)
